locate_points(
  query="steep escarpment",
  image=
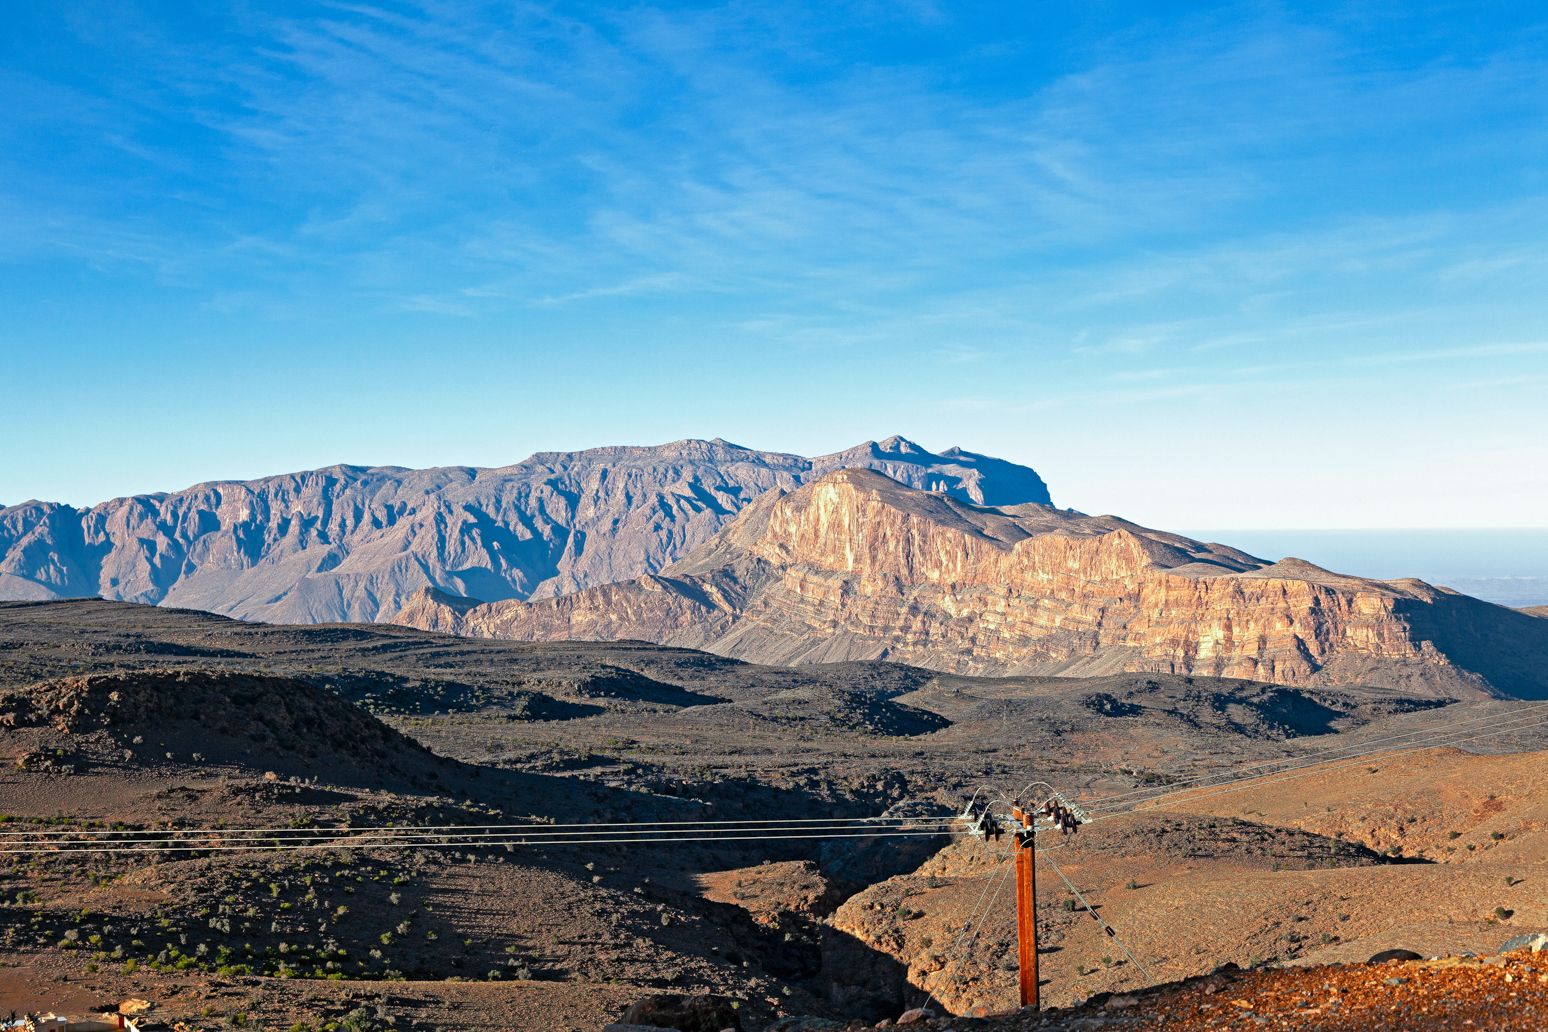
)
(858, 566)
(355, 543)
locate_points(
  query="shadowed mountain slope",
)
(350, 543)
(859, 566)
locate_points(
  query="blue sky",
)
(1260, 265)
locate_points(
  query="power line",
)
(1000, 882)
(522, 831)
(973, 915)
(726, 829)
(1312, 756)
(85, 837)
(979, 912)
(368, 837)
(1438, 739)
(1309, 770)
(1307, 758)
(59, 842)
(1111, 933)
(662, 825)
(260, 846)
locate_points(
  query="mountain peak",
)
(969, 477)
(900, 444)
(354, 543)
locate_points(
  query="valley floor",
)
(115, 715)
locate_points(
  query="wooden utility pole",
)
(1058, 813)
(1026, 904)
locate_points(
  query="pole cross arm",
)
(1056, 814)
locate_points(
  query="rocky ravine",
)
(353, 543)
(858, 566)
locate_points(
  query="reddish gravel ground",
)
(1506, 993)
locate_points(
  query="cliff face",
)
(857, 566)
(352, 543)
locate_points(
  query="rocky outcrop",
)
(354, 543)
(859, 566)
(254, 721)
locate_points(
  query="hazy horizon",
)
(1506, 565)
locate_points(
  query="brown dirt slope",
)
(1444, 805)
(1437, 851)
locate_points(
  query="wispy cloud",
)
(527, 155)
(665, 282)
(1077, 399)
(961, 354)
(435, 306)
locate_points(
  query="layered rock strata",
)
(354, 543)
(858, 566)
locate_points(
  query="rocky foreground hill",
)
(350, 543)
(859, 566)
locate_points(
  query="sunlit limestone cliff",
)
(858, 566)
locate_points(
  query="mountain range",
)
(353, 543)
(857, 566)
(952, 561)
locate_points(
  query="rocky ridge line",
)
(856, 566)
(353, 543)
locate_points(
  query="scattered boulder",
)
(917, 1014)
(1386, 956)
(1537, 942)
(696, 1013)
